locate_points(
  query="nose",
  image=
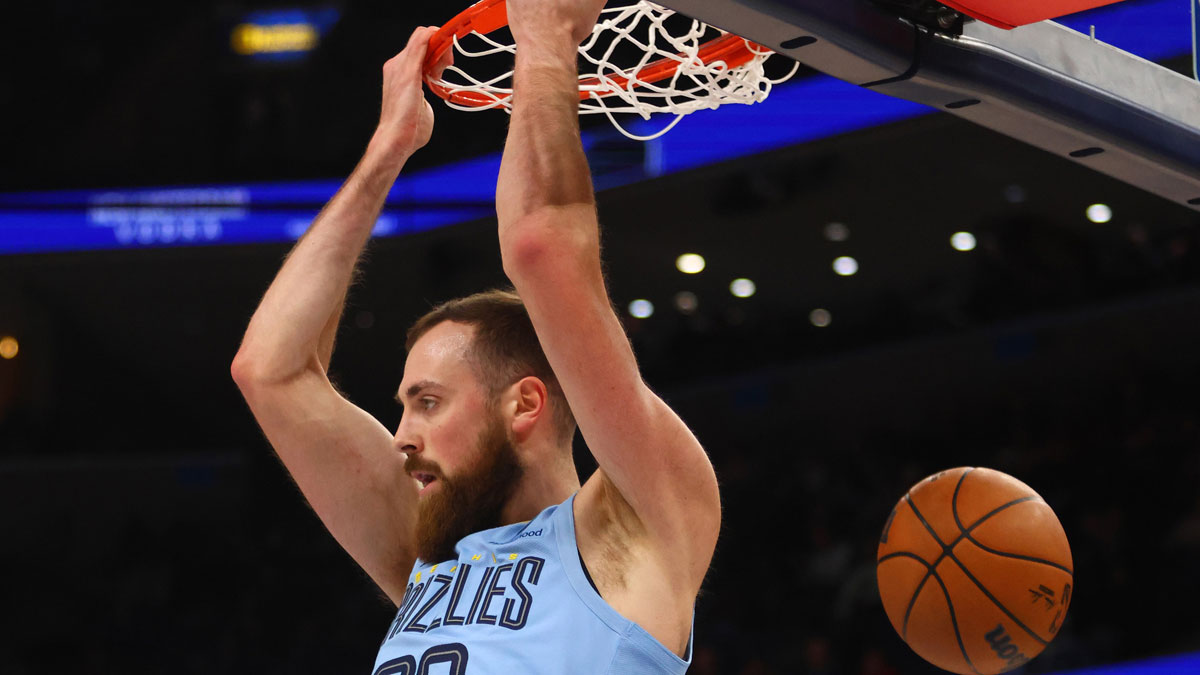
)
(407, 440)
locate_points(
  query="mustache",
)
(414, 464)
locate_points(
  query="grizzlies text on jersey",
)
(517, 600)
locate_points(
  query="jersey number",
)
(453, 653)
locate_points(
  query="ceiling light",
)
(9, 347)
(690, 263)
(837, 232)
(845, 266)
(742, 288)
(686, 302)
(963, 241)
(820, 318)
(1099, 213)
(641, 309)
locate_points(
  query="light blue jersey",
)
(517, 601)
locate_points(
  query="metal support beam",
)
(1044, 84)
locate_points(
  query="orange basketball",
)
(974, 571)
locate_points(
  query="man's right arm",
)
(342, 459)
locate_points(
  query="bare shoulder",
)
(643, 582)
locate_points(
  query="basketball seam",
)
(950, 554)
(991, 597)
(947, 551)
(929, 571)
(913, 600)
(966, 531)
(945, 592)
(932, 532)
(954, 621)
(933, 566)
(1018, 556)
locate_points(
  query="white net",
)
(622, 52)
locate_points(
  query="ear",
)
(532, 404)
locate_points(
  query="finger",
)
(418, 36)
(418, 44)
(445, 60)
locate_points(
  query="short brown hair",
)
(505, 347)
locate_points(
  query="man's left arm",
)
(550, 244)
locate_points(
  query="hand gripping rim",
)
(487, 16)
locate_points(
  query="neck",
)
(542, 485)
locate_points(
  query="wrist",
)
(550, 50)
(386, 152)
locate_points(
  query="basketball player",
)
(471, 518)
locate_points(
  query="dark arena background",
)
(916, 294)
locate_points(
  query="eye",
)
(428, 402)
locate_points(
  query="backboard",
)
(1042, 83)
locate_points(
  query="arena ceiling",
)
(137, 344)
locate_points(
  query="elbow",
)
(249, 371)
(242, 370)
(532, 247)
(523, 251)
(256, 372)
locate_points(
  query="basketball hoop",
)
(674, 64)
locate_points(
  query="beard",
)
(469, 502)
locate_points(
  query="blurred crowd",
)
(225, 570)
(794, 586)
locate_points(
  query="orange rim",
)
(487, 16)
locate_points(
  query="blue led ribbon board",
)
(67, 220)
(105, 228)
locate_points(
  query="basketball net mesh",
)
(613, 89)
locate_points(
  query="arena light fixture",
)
(742, 288)
(641, 309)
(9, 347)
(690, 263)
(686, 302)
(963, 241)
(820, 318)
(845, 266)
(1099, 213)
(837, 232)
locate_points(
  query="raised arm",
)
(550, 243)
(340, 456)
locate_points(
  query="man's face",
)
(457, 444)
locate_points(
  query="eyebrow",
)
(415, 389)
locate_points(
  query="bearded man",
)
(471, 517)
